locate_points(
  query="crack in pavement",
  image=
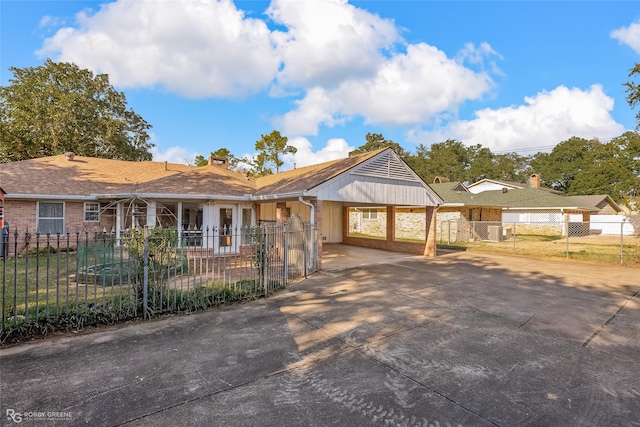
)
(604, 325)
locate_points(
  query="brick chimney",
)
(534, 181)
(219, 161)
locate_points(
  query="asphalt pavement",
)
(374, 339)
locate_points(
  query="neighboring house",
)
(533, 209)
(607, 218)
(603, 204)
(68, 193)
(492, 184)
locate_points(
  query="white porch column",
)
(118, 220)
(179, 224)
(151, 214)
(208, 224)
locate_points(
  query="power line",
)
(543, 147)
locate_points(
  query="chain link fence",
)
(615, 242)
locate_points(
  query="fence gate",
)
(296, 255)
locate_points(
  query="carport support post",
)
(430, 238)
(391, 224)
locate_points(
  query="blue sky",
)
(510, 75)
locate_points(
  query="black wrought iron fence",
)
(53, 282)
(614, 242)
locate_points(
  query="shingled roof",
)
(309, 177)
(598, 201)
(94, 177)
(85, 176)
(525, 198)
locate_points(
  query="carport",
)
(327, 193)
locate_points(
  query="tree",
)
(59, 107)
(511, 167)
(633, 92)
(482, 164)
(376, 141)
(234, 162)
(270, 149)
(450, 159)
(559, 168)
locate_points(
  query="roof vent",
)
(505, 189)
(69, 156)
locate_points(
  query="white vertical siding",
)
(382, 191)
(332, 222)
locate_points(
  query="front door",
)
(226, 229)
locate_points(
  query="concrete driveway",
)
(461, 339)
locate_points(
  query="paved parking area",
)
(461, 339)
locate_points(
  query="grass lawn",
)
(601, 249)
(47, 283)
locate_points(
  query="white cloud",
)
(478, 55)
(629, 35)
(340, 58)
(329, 41)
(335, 148)
(545, 119)
(203, 48)
(408, 89)
(173, 155)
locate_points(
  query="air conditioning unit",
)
(495, 233)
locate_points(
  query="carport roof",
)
(306, 178)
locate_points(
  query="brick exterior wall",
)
(21, 215)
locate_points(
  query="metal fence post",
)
(514, 237)
(622, 242)
(285, 255)
(145, 277)
(307, 233)
(568, 231)
(264, 255)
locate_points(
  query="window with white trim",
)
(91, 212)
(369, 214)
(50, 217)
